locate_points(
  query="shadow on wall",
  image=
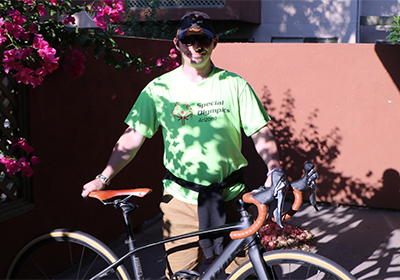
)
(295, 148)
(390, 57)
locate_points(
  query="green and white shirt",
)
(201, 125)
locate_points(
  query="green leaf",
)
(99, 50)
(52, 12)
(82, 39)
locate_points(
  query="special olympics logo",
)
(182, 112)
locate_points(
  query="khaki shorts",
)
(180, 218)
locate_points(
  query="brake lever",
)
(308, 181)
(276, 192)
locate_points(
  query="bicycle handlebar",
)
(264, 196)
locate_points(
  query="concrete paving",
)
(366, 242)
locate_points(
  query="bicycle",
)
(101, 262)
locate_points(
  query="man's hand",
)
(95, 185)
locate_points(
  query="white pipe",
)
(358, 24)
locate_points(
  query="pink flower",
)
(14, 29)
(147, 70)
(46, 52)
(27, 171)
(36, 81)
(50, 67)
(77, 64)
(119, 30)
(18, 19)
(115, 16)
(173, 53)
(3, 33)
(3, 159)
(69, 19)
(26, 167)
(29, 2)
(99, 19)
(107, 10)
(34, 160)
(9, 55)
(24, 75)
(12, 166)
(41, 10)
(171, 65)
(160, 62)
(23, 144)
(119, 5)
(9, 62)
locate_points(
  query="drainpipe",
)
(358, 23)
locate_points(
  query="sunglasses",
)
(201, 39)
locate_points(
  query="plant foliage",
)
(394, 31)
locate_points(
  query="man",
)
(201, 110)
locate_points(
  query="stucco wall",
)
(341, 105)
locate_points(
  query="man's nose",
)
(196, 45)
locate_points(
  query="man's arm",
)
(124, 151)
(266, 147)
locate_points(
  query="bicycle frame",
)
(255, 249)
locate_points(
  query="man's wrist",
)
(275, 169)
(103, 178)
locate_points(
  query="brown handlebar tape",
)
(262, 214)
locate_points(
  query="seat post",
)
(127, 209)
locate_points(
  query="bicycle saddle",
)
(107, 194)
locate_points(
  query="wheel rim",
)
(63, 255)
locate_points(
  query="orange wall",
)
(352, 90)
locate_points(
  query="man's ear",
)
(176, 43)
(215, 41)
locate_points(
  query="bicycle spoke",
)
(90, 267)
(65, 255)
(80, 262)
(40, 269)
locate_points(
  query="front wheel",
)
(64, 254)
(294, 264)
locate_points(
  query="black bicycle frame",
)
(255, 249)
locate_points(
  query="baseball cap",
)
(195, 22)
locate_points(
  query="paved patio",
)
(364, 241)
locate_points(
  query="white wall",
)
(380, 7)
(322, 18)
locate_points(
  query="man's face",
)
(196, 49)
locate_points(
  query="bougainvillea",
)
(37, 35)
(273, 237)
(23, 163)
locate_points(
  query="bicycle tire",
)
(43, 257)
(295, 264)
